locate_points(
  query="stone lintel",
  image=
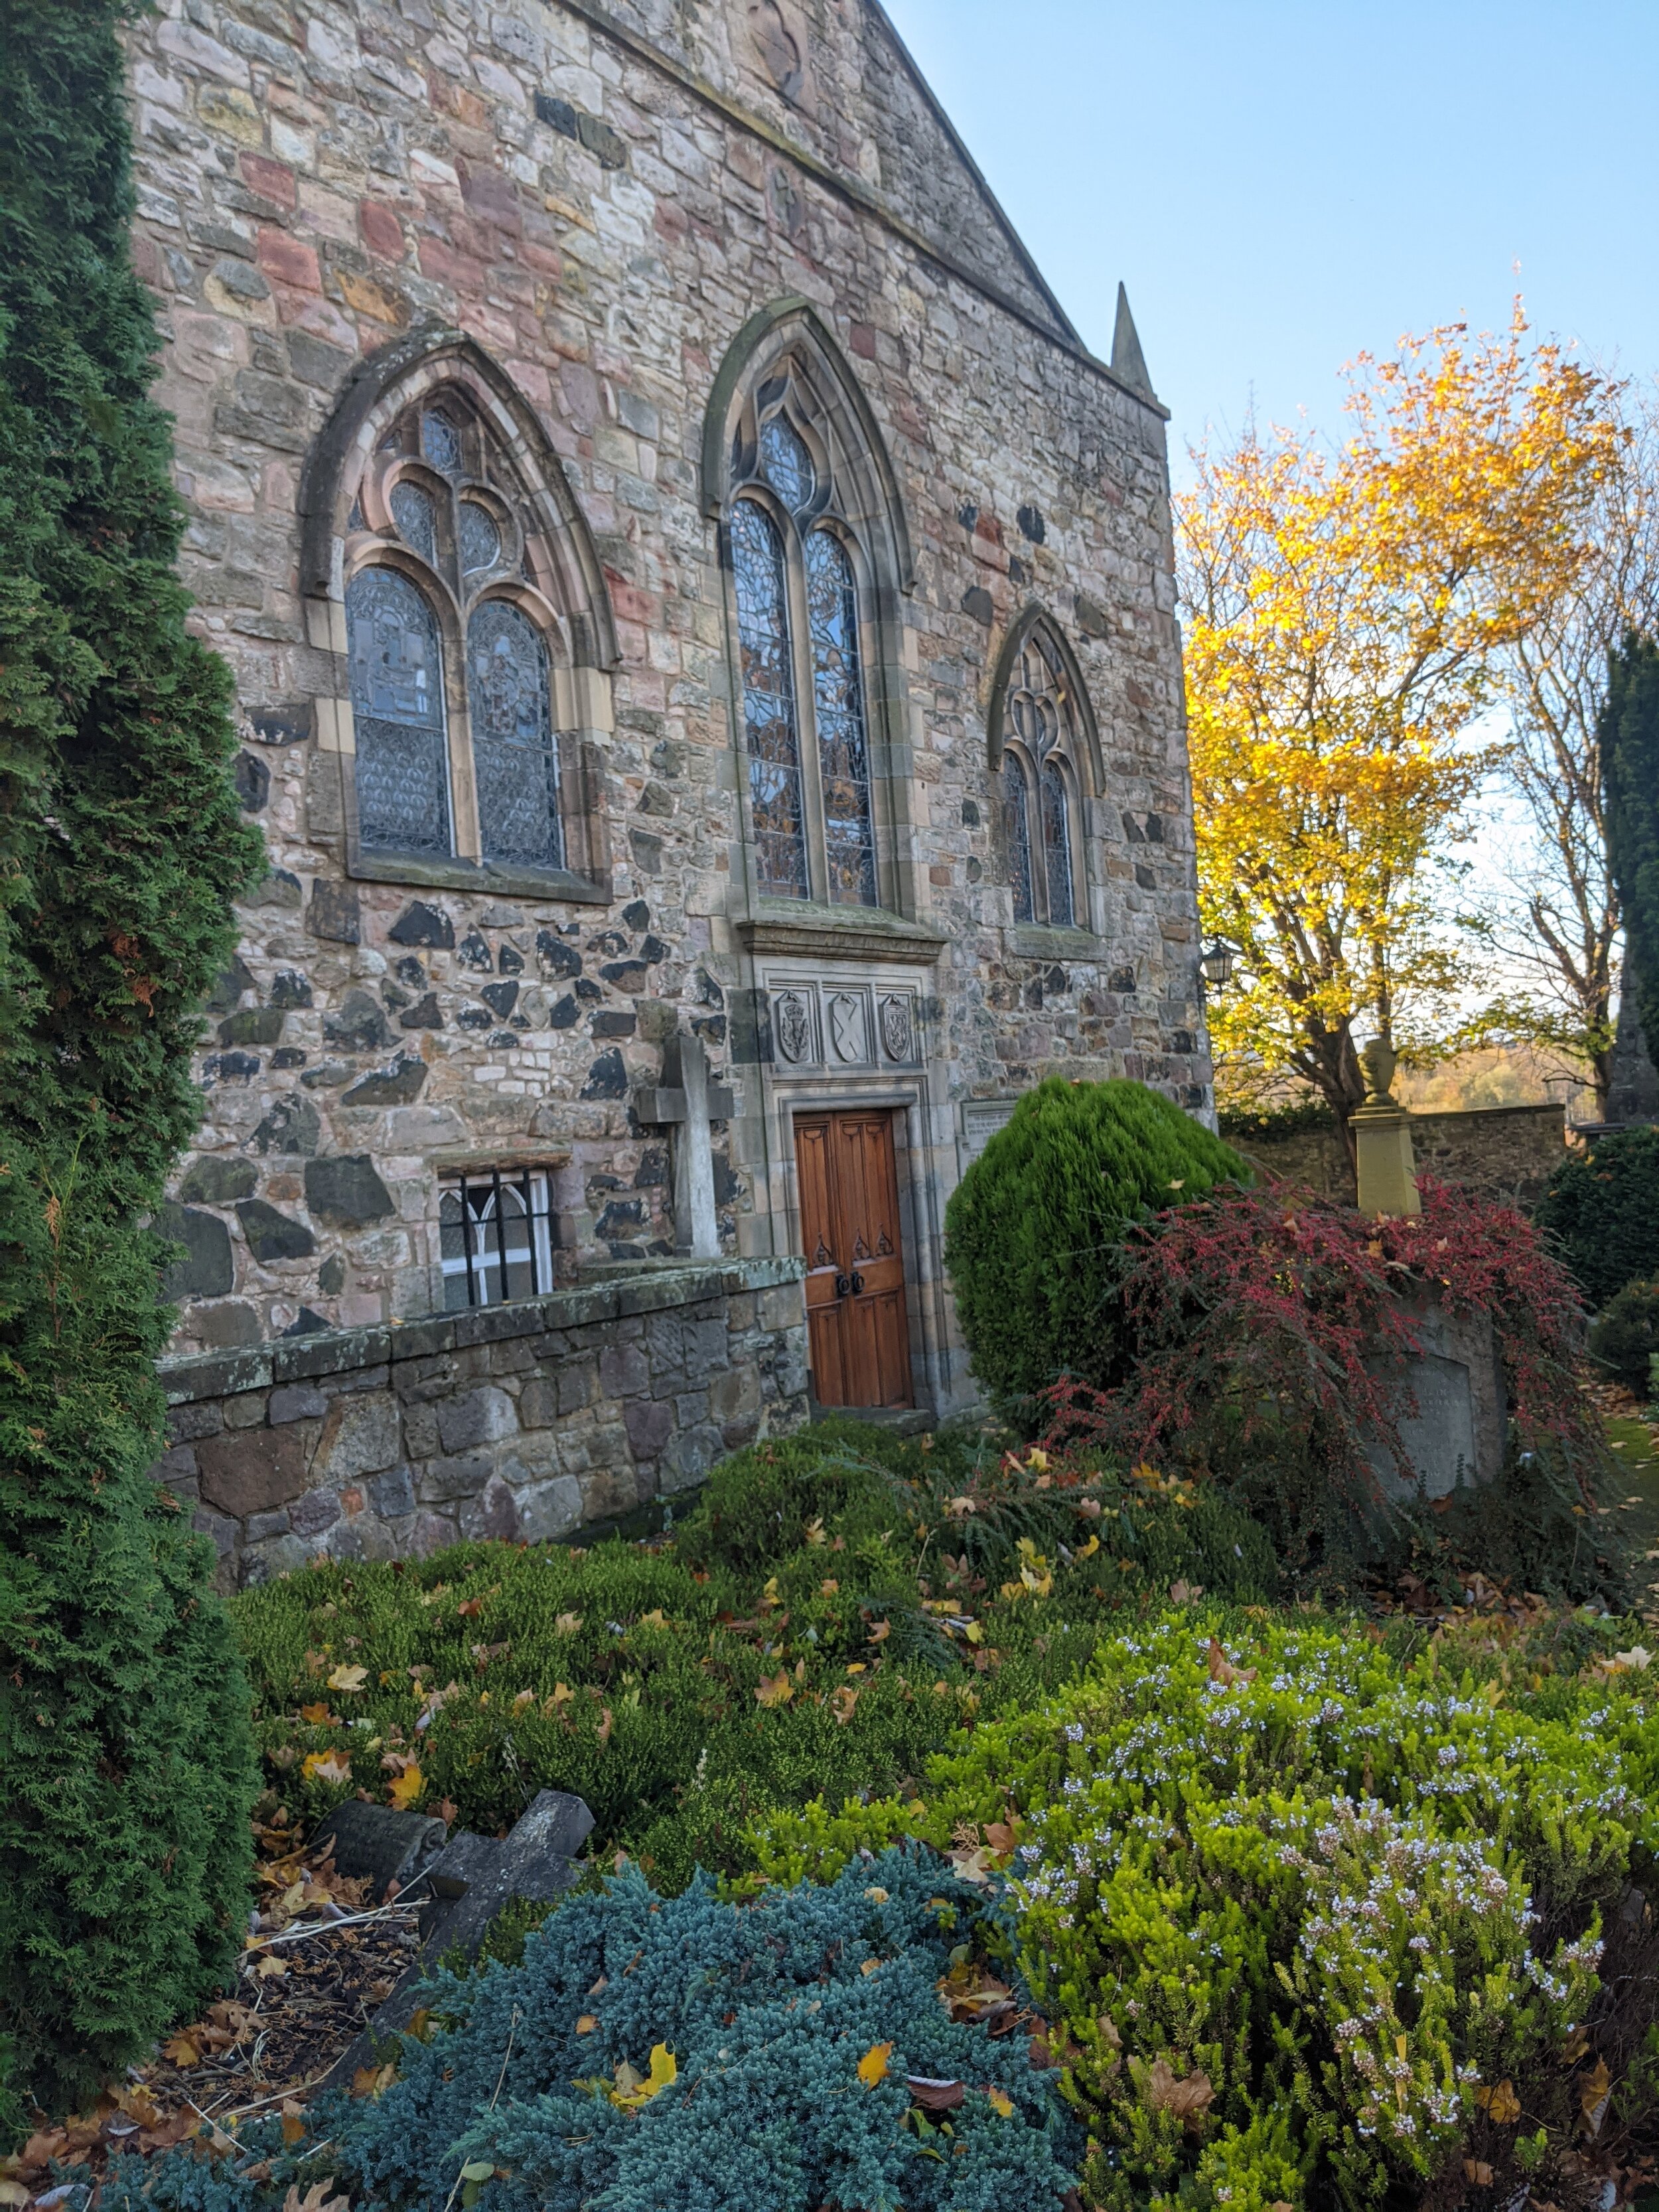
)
(802, 931)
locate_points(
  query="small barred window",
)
(496, 1238)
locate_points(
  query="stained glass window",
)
(787, 464)
(397, 708)
(843, 738)
(769, 699)
(1016, 816)
(1041, 735)
(416, 519)
(481, 542)
(440, 442)
(1057, 844)
(514, 752)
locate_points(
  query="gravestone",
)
(1453, 1414)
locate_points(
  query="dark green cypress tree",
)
(126, 1766)
(1628, 729)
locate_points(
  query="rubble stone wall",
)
(1506, 1152)
(601, 200)
(522, 1422)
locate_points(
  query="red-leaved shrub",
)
(1271, 1332)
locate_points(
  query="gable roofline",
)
(940, 115)
(858, 195)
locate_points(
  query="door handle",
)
(857, 1284)
(844, 1286)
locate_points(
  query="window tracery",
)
(1043, 771)
(451, 642)
(793, 559)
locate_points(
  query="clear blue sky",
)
(1283, 183)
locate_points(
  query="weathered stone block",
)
(345, 1191)
(446, 1479)
(316, 1510)
(538, 1402)
(207, 1270)
(362, 1436)
(480, 1416)
(246, 1410)
(549, 1512)
(252, 1470)
(624, 1371)
(214, 1181)
(397, 1085)
(187, 1423)
(273, 1236)
(493, 1515)
(295, 1401)
(392, 1494)
(649, 1427)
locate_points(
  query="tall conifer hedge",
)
(125, 1770)
(1629, 734)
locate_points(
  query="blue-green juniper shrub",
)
(767, 2011)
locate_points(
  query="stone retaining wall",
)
(1503, 1152)
(519, 1421)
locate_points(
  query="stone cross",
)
(688, 1101)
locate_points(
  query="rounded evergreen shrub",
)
(1601, 1211)
(1626, 1335)
(1035, 1231)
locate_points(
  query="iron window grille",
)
(496, 1238)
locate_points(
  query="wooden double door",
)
(858, 1328)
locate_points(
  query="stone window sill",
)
(1039, 941)
(800, 928)
(420, 870)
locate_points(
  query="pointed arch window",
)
(475, 633)
(796, 564)
(1045, 765)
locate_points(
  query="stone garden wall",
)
(522, 1421)
(1503, 1152)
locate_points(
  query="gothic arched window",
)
(797, 591)
(446, 561)
(452, 555)
(1046, 766)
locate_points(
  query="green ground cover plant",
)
(1323, 1918)
(835, 1610)
(1034, 1231)
(847, 2045)
(123, 1736)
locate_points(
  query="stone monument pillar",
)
(1384, 1161)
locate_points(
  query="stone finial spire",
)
(1128, 359)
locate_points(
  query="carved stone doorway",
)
(858, 1325)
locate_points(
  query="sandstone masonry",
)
(550, 275)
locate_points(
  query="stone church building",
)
(703, 630)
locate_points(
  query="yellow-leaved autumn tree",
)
(1345, 611)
